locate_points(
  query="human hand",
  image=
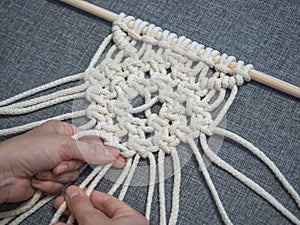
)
(98, 209)
(47, 158)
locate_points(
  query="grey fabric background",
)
(45, 40)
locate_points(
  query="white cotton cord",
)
(245, 180)
(289, 188)
(55, 101)
(145, 106)
(6, 220)
(58, 213)
(91, 176)
(32, 210)
(176, 188)
(42, 88)
(100, 50)
(218, 101)
(63, 206)
(226, 106)
(24, 207)
(161, 187)
(152, 171)
(98, 178)
(84, 133)
(122, 177)
(92, 186)
(129, 177)
(45, 98)
(89, 125)
(209, 182)
(25, 127)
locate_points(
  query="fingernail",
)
(111, 151)
(72, 192)
(122, 160)
(62, 169)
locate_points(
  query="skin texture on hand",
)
(47, 158)
(98, 209)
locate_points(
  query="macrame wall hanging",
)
(141, 60)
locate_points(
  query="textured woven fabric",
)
(45, 40)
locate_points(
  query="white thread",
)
(99, 52)
(32, 210)
(245, 180)
(122, 177)
(18, 111)
(161, 183)
(92, 186)
(42, 88)
(98, 178)
(176, 188)
(63, 206)
(6, 220)
(263, 158)
(41, 99)
(152, 171)
(209, 182)
(24, 207)
(18, 129)
(225, 108)
(129, 177)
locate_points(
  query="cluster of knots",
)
(162, 72)
(185, 91)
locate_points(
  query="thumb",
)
(81, 207)
(90, 152)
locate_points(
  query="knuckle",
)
(64, 129)
(67, 144)
(60, 127)
(68, 129)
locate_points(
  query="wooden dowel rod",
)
(92, 9)
(275, 83)
(254, 74)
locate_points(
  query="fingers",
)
(94, 153)
(57, 203)
(67, 166)
(110, 205)
(82, 208)
(52, 183)
(50, 187)
(71, 165)
(100, 208)
(120, 162)
(88, 149)
(61, 178)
